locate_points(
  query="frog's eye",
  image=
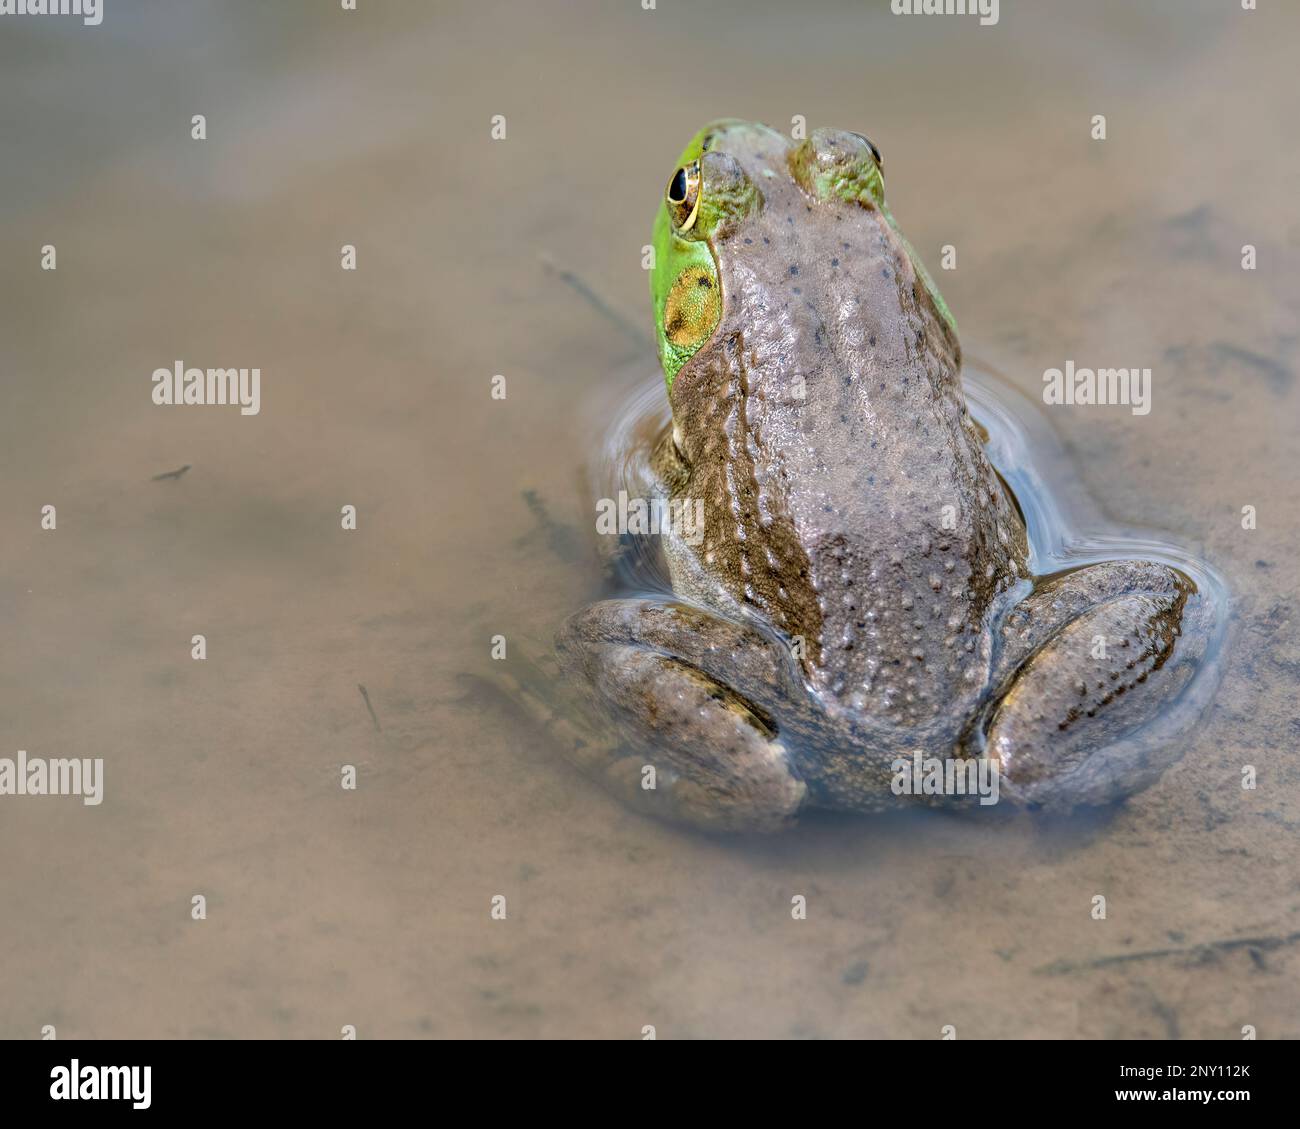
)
(683, 196)
(835, 164)
(875, 153)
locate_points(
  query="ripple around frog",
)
(1066, 528)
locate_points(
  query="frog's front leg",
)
(1087, 659)
(683, 687)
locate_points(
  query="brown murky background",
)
(371, 907)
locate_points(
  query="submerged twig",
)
(596, 302)
(1207, 948)
(562, 539)
(366, 698)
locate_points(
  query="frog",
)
(858, 594)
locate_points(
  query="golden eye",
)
(875, 153)
(683, 196)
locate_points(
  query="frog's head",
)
(726, 176)
(708, 194)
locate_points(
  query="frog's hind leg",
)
(663, 673)
(1090, 666)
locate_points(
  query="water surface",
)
(328, 907)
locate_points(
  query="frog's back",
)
(847, 494)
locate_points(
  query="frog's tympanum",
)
(860, 591)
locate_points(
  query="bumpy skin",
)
(861, 590)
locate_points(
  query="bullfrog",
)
(858, 593)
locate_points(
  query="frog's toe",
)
(1085, 717)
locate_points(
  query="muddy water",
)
(371, 907)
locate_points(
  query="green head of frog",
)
(718, 186)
